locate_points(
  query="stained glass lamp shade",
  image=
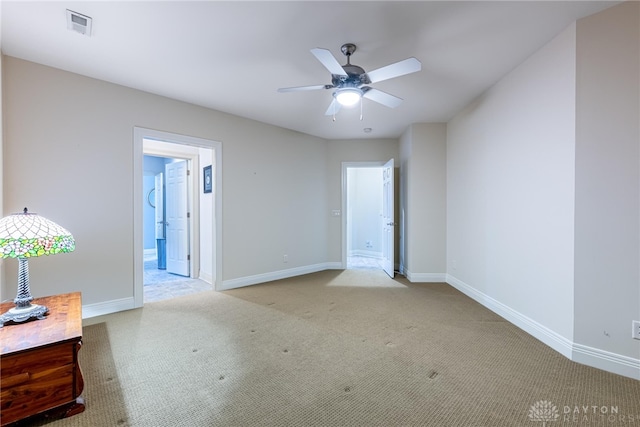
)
(23, 236)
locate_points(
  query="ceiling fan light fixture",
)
(348, 96)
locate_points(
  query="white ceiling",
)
(233, 56)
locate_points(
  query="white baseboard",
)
(148, 252)
(366, 254)
(334, 266)
(544, 334)
(611, 362)
(601, 359)
(107, 307)
(206, 277)
(276, 275)
(425, 277)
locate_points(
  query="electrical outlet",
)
(285, 258)
(636, 329)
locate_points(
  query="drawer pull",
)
(15, 380)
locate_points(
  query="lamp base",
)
(22, 314)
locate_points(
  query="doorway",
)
(167, 259)
(364, 217)
(362, 207)
(370, 202)
(204, 208)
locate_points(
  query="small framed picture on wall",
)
(208, 180)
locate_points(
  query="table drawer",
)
(37, 360)
(36, 392)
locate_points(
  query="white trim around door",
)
(139, 135)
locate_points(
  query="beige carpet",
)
(336, 348)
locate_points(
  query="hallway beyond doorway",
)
(363, 263)
(160, 285)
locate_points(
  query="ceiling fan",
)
(349, 81)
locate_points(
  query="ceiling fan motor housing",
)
(356, 76)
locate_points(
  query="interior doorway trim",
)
(345, 166)
(139, 135)
(191, 155)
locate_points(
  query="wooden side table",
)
(39, 369)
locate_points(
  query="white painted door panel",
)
(159, 204)
(177, 221)
(388, 220)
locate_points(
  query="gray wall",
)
(279, 186)
(423, 210)
(510, 188)
(2, 268)
(543, 193)
(607, 244)
(78, 151)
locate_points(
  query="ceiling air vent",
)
(79, 23)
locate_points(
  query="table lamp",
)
(23, 236)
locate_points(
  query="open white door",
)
(159, 204)
(388, 221)
(177, 218)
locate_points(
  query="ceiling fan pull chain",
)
(361, 115)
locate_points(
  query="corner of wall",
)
(3, 288)
(607, 189)
(423, 201)
(404, 148)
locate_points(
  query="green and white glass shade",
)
(23, 236)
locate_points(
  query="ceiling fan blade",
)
(329, 61)
(304, 88)
(334, 107)
(408, 66)
(381, 97)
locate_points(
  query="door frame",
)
(139, 136)
(345, 166)
(193, 203)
